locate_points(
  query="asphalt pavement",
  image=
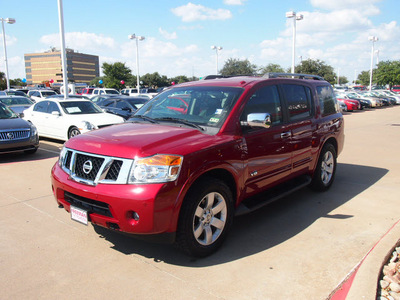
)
(303, 246)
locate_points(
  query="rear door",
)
(300, 110)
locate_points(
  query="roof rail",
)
(224, 76)
(300, 76)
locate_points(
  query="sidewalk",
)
(362, 281)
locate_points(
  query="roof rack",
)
(300, 76)
(223, 76)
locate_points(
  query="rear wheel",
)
(205, 218)
(73, 131)
(326, 169)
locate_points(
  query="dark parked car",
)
(124, 106)
(17, 103)
(16, 134)
(184, 174)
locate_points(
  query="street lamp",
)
(373, 39)
(296, 17)
(9, 21)
(216, 48)
(137, 38)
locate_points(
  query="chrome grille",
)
(92, 169)
(14, 134)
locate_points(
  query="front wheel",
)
(205, 218)
(326, 169)
(73, 132)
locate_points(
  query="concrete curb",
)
(362, 282)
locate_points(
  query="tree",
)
(343, 80)
(154, 80)
(17, 82)
(3, 82)
(238, 67)
(271, 68)
(95, 82)
(114, 74)
(388, 72)
(363, 77)
(317, 67)
(179, 79)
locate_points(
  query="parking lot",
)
(304, 244)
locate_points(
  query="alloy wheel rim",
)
(327, 167)
(210, 219)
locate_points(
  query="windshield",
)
(80, 107)
(6, 113)
(111, 92)
(202, 106)
(16, 101)
(48, 93)
(138, 102)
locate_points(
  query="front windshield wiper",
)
(144, 118)
(181, 121)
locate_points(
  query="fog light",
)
(135, 216)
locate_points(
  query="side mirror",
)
(56, 113)
(262, 120)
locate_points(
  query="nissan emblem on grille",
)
(87, 166)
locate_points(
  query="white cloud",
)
(196, 12)
(82, 41)
(10, 40)
(167, 35)
(365, 6)
(234, 2)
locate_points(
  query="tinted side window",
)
(107, 102)
(298, 98)
(41, 106)
(327, 100)
(52, 107)
(122, 105)
(265, 100)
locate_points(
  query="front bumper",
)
(113, 205)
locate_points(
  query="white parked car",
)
(150, 93)
(103, 91)
(39, 95)
(63, 119)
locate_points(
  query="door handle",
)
(285, 135)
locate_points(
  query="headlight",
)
(87, 126)
(158, 168)
(34, 132)
(61, 158)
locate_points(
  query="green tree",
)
(363, 77)
(238, 67)
(3, 82)
(343, 79)
(114, 73)
(95, 82)
(154, 80)
(271, 68)
(178, 79)
(388, 72)
(317, 67)
(17, 82)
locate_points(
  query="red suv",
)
(85, 91)
(183, 172)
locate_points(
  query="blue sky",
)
(179, 34)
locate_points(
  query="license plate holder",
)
(79, 215)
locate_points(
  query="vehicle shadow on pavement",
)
(41, 153)
(266, 227)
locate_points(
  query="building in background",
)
(46, 67)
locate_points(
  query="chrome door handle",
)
(285, 135)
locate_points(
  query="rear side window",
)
(327, 100)
(41, 106)
(298, 98)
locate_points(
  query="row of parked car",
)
(26, 116)
(352, 100)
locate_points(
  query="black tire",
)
(73, 131)
(205, 218)
(324, 174)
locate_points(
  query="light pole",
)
(63, 53)
(137, 38)
(9, 21)
(216, 48)
(373, 39)
(296, 17)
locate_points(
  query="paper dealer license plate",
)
(79, 215)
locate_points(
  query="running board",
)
(271, 195)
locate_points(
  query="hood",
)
(15, 123)
(98, 119)
(132, 139)
(19, 108)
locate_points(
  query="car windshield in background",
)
(48, 93)
(207, 107)
(80, 107)
(16, 101)
(138, 102)
(6, 113)
(111, 92)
